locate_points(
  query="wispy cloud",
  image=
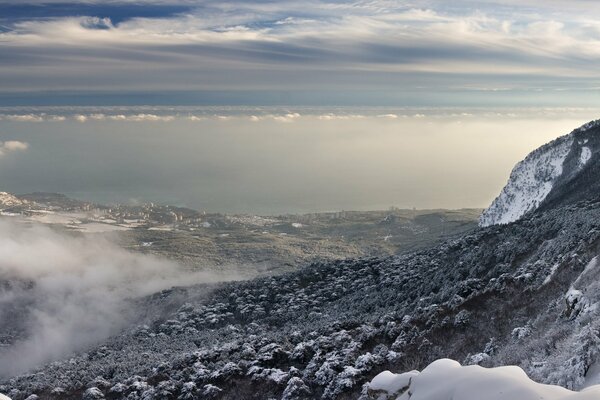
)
(310, 45)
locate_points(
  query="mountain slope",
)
(522, 294)
(525, 293)
(559, 172)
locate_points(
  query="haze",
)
(274, 160)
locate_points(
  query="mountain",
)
(58, 200)
(525, 293)
(521, 294)
(8, 200)
(560, 172)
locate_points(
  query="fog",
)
(271, 161)
(67, 292)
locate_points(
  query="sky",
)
(288, 106)
(300, 52)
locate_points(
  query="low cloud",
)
(124, 117)
(11, 146)
(62, 293)
(23, 117)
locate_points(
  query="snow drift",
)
(446, 379)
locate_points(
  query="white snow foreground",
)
(3, 397)
(530, 181)
(446, 379)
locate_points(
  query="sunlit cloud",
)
(167, 114)
(23, 117)
(424, 46)
(126, 118)
(11, 146)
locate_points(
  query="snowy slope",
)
(530, 182)
(558, 172)
(446, 379)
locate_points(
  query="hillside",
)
(523, 293)
(520, 294)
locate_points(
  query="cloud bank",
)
(61, 293)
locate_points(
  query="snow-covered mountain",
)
(547, 176)
(10, 200)
(525, 294)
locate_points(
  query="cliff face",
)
(557, 173)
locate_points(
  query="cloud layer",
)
(310, 45)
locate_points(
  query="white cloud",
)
(289, 117)
(23, 117)
(11, 146)
(142, 117)
(209, 47)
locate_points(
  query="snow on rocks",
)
(584, 156)
(576, 303)
(447, 379)
(521, 332)
(295, 389)
(389, 383)
(9, 200)
(530, 182)
(3, 397)
(92, 393)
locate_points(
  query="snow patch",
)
(551, 274)
(584, 157)
(98, 227)
(591, 266)
(530, 182)
(447, 379)
(392, 383)
(9, 200)
(592, 376)
(577, 303)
